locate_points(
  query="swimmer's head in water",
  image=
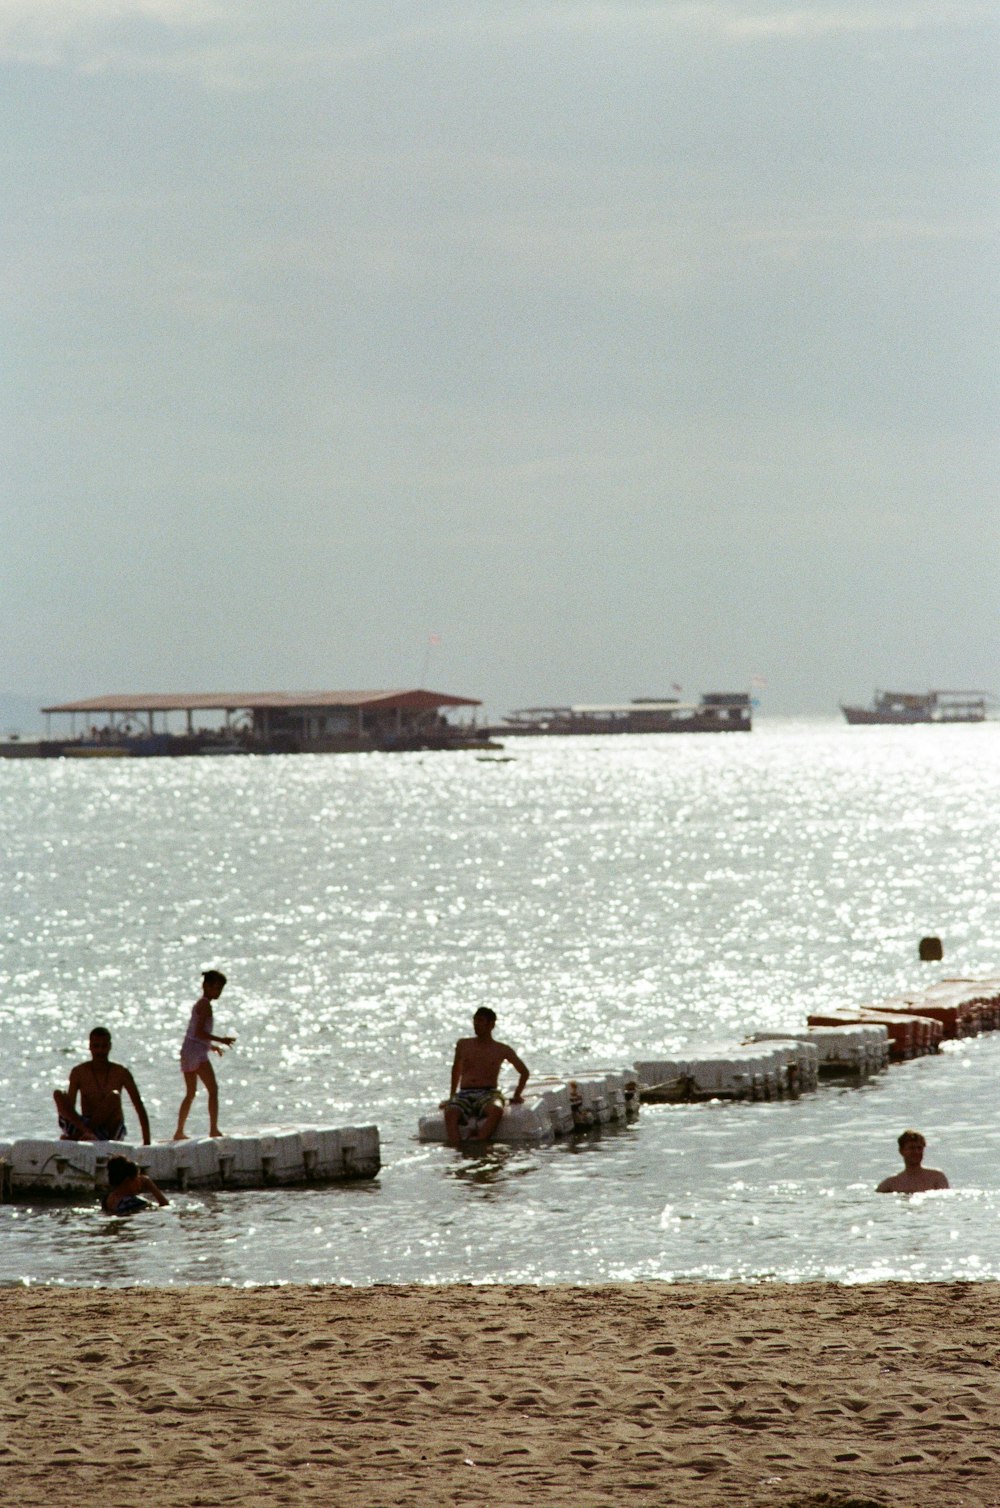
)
(120, 1170)
(911, 1149)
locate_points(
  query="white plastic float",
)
(273, 1158)
(768, 1065)
(860, 1049)
(589, 1096)
(621, 1091)
(739, 1072)
(53, 1167)
(556, 1107)
(800, 1060)
(557, 1098)
(623, 1088)
(528, 1122)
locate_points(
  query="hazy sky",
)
(615, 344)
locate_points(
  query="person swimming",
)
(126, 1185)
(915, 1178)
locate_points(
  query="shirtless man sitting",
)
(99, 1084)
(475, 1101)
(914, 1179)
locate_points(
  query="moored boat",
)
(905, 707)
(716, 712)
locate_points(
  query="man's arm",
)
(522, 1068)
(128, 1083)
(456, 1069)
(67, 1106)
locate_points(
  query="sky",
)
(532, 350)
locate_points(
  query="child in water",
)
(126, 1186)
(198, 1043)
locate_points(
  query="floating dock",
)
(846, 1042)
(843, 1041)
(279, 1158)
(555, 1106)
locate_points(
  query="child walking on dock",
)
(198, 1043)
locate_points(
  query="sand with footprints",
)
(806, 1394)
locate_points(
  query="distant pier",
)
(156, 724)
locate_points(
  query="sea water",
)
(611, 898)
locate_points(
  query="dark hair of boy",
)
(120, 1169)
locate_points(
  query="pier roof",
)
(411, 699)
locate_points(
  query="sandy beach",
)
(809, 1394)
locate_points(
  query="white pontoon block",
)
(653, 1072)
(323, 1154)
(529, 1122)
(727, 1072)
(554, 1095)
(879, 1046)
(706, 1074)
(197, 1163)
(360, 1151)
(58, 1167)
(159, 1161)
(281, 1157)
(287, 1156)
(241, 1162)
(849, 1049)
(622, 1092)
(614, 1091)
(874, 1042)
(588, 1095)
(735, 1071)
(800, 1059)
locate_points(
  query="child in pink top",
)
(198, 1043)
